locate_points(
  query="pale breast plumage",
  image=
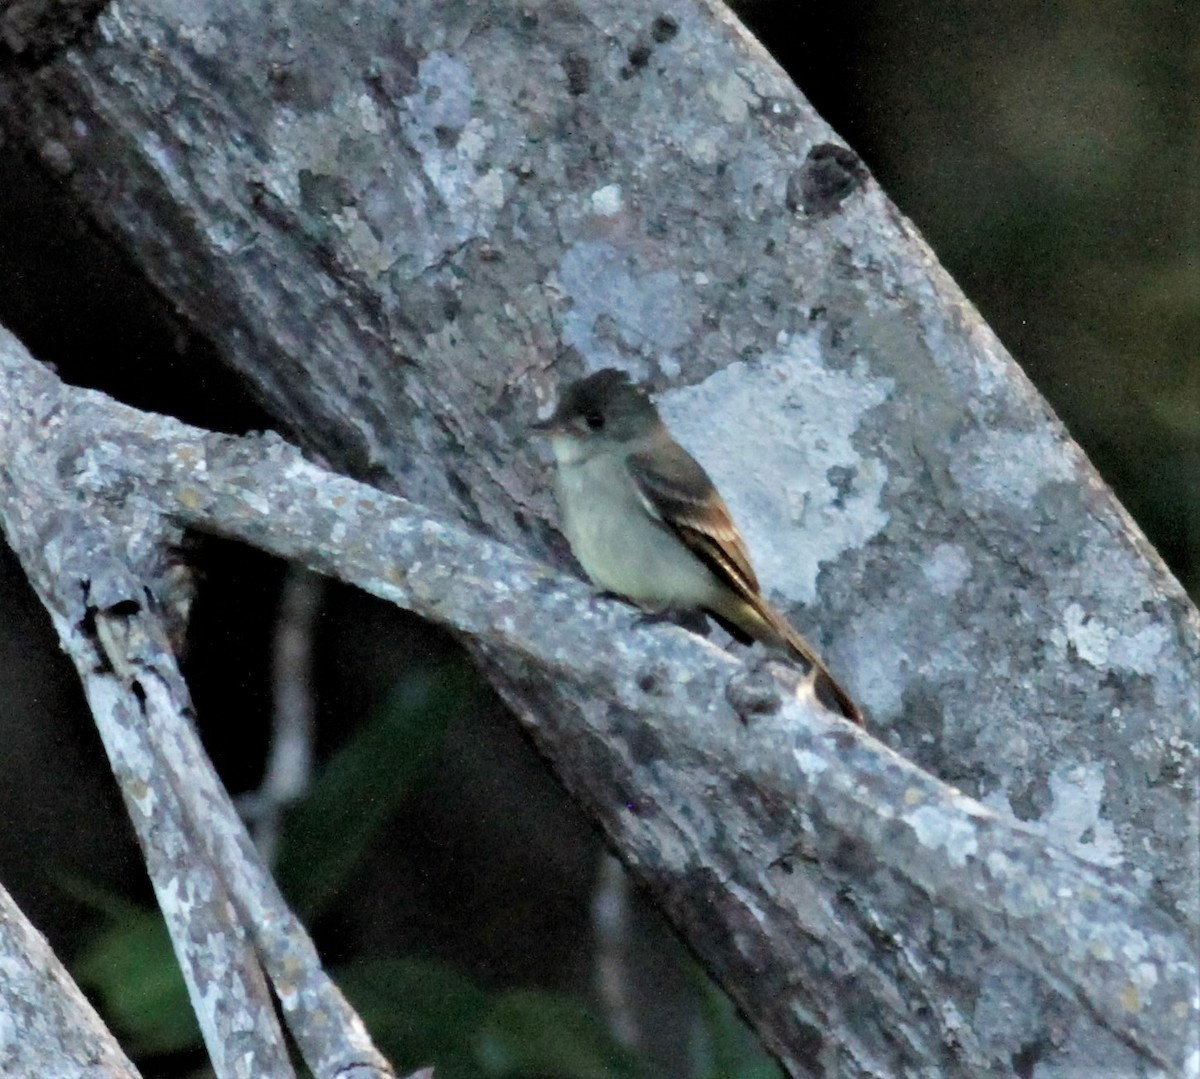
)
(623, 548)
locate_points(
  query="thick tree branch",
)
(424, 208)
(805, 847)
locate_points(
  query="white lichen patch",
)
(1140, 651)
(608, 200)
(255, 502)
(370, 119)
(441, 103)
(776, 436)
(946, 568)
(1135, 947)
(618, 309)
(176, 899)
(1145, 975)
(809, 763)
(934, 828)
(1104, 646)
(1088, 636)
(999, 864)
(488, 190)
(1074, 820)
(452, 146)
(108, 698)
(703, 149)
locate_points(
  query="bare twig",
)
(290, 756)
(610, 924)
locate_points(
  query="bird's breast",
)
(621, 547)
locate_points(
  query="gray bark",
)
(102, 566)
(872, 902)
(403, 222)
(47, 1027)
(103, 571)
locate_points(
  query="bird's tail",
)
(780, 631)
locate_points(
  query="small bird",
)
(647, 523)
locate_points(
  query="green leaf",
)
(331, 830)
(531, 1033)
(421, 1012)
(418, 1012)
(132, 968)
(729, 1049)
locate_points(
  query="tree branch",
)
(288, 771)
(49, 1026)
(100, 567)
(425, 208)
(783, 840)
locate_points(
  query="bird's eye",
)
(594, 420)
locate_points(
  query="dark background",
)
(1049, 153)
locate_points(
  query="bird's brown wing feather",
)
(676, 489)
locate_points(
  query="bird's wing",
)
(677, 491)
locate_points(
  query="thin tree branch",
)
(610, 927)
(290, 755)
(97, 567)
(49, 1028)
(135, 693)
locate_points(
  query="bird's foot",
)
(693, 621)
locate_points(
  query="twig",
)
(290, 756)
(610, 924)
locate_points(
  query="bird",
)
(648, 524)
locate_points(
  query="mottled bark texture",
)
(47, 1027)
(405, 222)
(102, 566)
(832, 883)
